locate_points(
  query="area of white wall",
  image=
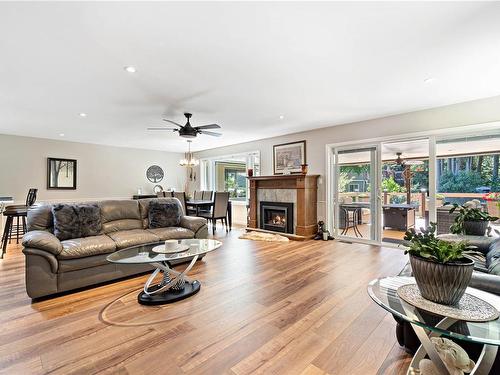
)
(102, 171)
(456, 115)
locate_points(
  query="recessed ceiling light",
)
(82, 114)
(429, 80)
(61, 134)
(282, 117)
(130, 69)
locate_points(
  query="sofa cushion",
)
(76, 220)
(493, 258)
(87, 246)
(68, 265)
(129, 238)
(118, 215)
(40, 217)
(172, 233)
(144, 208)
(163, 214)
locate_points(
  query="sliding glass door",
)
(355, 198)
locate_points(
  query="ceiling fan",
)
(402, 162)
(189, 131)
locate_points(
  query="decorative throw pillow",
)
(76, 220)
(164, 214)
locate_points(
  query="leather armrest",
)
(485, 281)
(54, 265)
(192, 223)
(40, 239)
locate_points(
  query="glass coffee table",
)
(174, 285)
(427, 325)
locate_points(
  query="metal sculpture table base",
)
(173, 287)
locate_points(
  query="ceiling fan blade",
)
(209, 126)
(174, 129)
(210, 133)
(173, 122)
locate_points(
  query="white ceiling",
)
(241, 65)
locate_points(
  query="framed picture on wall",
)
(61, 174)
(288, 157)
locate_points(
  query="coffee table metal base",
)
(173, 287)
(171, 295)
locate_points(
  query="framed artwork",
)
(61, 174)
(288, 157)
(155, 174)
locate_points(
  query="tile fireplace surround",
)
(301, 190)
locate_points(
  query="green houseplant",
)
(441, 270)
(471, 219)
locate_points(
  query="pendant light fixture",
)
(189, 161)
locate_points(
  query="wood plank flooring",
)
(264, 308)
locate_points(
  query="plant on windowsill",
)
(471, 219)
(440, 268)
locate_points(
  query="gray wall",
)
(469, 113)
(102, 171)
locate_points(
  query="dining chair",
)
(207, 195)
(181, 196)
(160, 194)
(198, 195)
(219, 210)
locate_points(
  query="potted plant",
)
(441, 270)
(471, 219)
(493, 202)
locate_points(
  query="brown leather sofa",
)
(54, 266)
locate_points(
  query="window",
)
(230, 174)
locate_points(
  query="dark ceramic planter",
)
(475, 228)
(442, 283)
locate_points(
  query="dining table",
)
(199, 204)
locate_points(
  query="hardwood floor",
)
(297, 308)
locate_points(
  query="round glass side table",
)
(384, 293)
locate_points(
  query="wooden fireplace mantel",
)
(306, 204)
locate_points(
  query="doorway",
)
(355, 193)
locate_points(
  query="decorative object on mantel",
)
(261, 236)
(61, 174)
(250, 172)
(304, 168)
(155, 174)
(453, 355)
(189, 160)
(470, 308)
(440, 268)
(289, 157)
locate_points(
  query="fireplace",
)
(276, 216)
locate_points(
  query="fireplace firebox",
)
(276, 216)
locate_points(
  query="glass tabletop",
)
(383, 292)
(145, 254)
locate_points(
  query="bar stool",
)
(17, 213)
